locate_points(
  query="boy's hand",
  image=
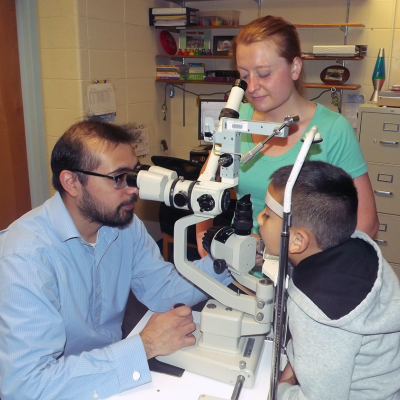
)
(168, 332)
(259, 260)
(259, 257)
(288, 375)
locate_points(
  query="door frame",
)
(28, 45)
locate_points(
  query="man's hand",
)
(168, 332)
(288, 375)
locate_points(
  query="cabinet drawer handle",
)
(380, 241)
(389, 142)
(383, 192)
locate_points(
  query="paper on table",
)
(101, 99)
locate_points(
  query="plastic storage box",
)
(218, 17)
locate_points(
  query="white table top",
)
(190, 386)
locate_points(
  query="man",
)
(66, 269)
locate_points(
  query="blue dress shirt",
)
(62, 304)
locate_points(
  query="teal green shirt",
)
(339, 147)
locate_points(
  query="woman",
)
(268, 57)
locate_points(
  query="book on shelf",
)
(174, 16)
(174, 68)
(168, 73)
(171, 10)
(171, 78)
(171, 66)
(174, 22)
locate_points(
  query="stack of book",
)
(171, 72)
(174, 16)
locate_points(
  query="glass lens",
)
(120, 181)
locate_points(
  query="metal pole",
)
(238, 387)
(280, 310)
(184, 106)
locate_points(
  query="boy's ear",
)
(299, 241)
(69, 182)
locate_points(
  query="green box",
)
(195, 76)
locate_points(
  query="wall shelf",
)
(179, 82)
(333, 25)
(312, 58)
(339, 25)
(306, 85)
(316, 58)
(323, 86)
(178, 58)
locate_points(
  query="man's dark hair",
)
(324, 200)
(72, 151)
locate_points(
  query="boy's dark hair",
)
(72, 152)
(324, 200)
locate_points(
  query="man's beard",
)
(119, 218)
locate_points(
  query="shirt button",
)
(136, 375)
(96, 319)
(97, 290)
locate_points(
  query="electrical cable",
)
(315, 98)
(198, 95)
(324, 91)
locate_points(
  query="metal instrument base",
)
(218, 364)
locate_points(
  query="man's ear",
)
(70, 182)
(299, 241)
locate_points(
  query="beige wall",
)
(376, 15)
(85, 40)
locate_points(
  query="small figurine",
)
(180, 52)
(209, 52)
(191, 52)
(185, 52)
(197, 52)
(203, 52)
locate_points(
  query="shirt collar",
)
(64, 225)
(61, 219)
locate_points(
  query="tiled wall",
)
(378, 16)
(82, 40)
(85, 40)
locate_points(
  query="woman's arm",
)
(367, 218)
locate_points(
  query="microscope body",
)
(233, 326)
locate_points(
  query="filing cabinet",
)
(379, 136)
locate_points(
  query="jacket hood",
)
(350, 286)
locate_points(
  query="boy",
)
(344, 298)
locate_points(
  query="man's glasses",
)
(121, 181)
